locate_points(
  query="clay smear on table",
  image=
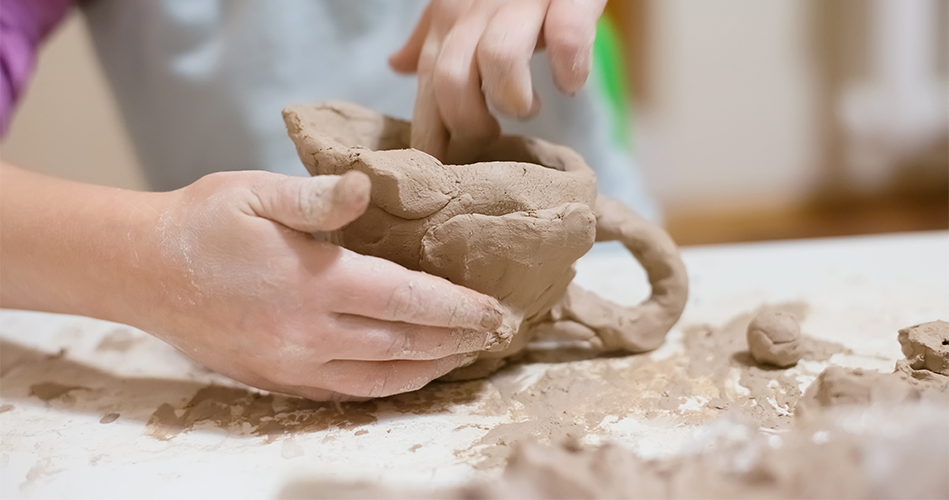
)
(862, 439)
(573, 399)
(510, 225)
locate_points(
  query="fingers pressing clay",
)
(322, 203)
(569, 32)
(510, 227)
(457, 85)
(504, 55)
(377, 379)
(383, 290)
(369, 339)
(774, 338)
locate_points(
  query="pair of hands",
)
(309, 318)
(227, 269)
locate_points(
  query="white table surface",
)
(859, 292)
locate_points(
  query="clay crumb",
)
(51, 390)
(361, 432)
(774, 338)
(119, 340)
(415, 447)
(718, 403)
(108, 418)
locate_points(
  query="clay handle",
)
(642, 327)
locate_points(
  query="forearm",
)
(75, 248)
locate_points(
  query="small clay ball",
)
(774, 338)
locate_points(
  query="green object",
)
(610, 72)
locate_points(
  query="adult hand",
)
(227, 270)
(472, 53)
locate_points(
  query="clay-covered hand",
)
(259, 298)
(471, 53)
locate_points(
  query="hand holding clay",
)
(510, 226)
(255, 296)
(227, 271)
(468, 53)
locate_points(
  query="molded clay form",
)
(510, 225)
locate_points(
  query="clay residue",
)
(882, 452)
(921, 375)
(926, 347)
(713, 374)
(47, 391)
(119, 340)
(108, 418)
(270, 416)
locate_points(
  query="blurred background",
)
(753, 119)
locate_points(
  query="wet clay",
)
(838, 456)
(510, 225)
(926, 347)
(712, 375)
(774, 338)
(923, 374)
(844, 450)
(48, 391)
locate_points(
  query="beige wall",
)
(68, 125)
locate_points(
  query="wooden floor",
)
(826, 215)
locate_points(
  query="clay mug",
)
(510, 225)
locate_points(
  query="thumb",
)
(320, 203)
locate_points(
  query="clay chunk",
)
(774, 338)
(926, 346)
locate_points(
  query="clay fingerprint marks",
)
(407, 183)
(522, 258)
(642, 327)
(510, 256)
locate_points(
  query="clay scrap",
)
(867, 435)
(923, 374)
(774, 338)
(510, 225)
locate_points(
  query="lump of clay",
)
(921, 375)
(774, 338)
(926, 346)
(839, 386)
(510, 225)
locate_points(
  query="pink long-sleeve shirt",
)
(24, 24)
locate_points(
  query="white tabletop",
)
(81, 400)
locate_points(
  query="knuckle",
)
(380, 384)
(450, 76)
(403, 345)
(405, 302)
(571, 39)
(494, 56)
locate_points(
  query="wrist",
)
(74, 248)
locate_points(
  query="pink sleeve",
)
(23, 25)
